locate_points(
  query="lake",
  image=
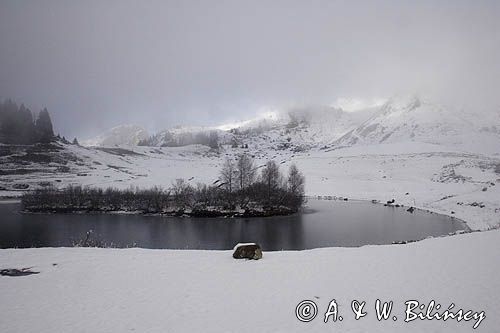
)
(325, 223)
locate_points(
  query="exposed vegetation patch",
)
(119, 151)
(17, 272)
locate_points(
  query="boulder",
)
(247, 251)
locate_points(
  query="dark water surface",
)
(328, 223)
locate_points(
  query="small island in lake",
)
(240, 191)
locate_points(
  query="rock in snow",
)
(247, 251)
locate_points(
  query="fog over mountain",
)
(158, 64)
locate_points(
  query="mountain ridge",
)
(402, 118)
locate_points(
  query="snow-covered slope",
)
(313, 126)
(400, 119)
(323, 124)
(404, 119)
(187, 135)
(118, 136)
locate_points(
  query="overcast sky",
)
(97, 64)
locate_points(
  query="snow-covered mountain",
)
(183, 136)
(400, 119)
(405, 119)
(315, 125)
(323, 124)
(129, 135)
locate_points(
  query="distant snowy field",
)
(136, 290)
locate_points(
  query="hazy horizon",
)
(158, 64)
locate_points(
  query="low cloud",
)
(161, 63)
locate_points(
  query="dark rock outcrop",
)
(247, 251)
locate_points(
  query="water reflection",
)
(330, 223)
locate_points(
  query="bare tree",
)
(272, 179)
(228, 175)
(245, 171)
(182, 193)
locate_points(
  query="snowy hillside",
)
(304, 127)
(118, 136)
(184, 136)
(320, 125)
(400, 119)
(415, 119)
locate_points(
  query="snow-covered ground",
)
(136, 290)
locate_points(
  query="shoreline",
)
(182, 214)
(235, 214)
(305, 210)
(379, 202)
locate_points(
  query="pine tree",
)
(75, 142)
(8, 122)
(43, 126)
(25, 126)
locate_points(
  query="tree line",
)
(240, 190)
(18, 126)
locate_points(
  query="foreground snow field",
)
(137, 290)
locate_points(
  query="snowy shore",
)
(122, 290)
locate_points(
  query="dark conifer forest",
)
(18, 125)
